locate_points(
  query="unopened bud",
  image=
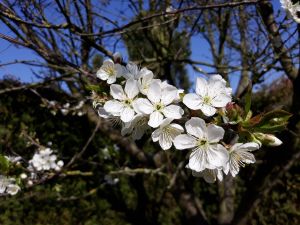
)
(117, 57)
(23, 176)
(267, 139)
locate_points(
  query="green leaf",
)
(95, 88)
(4, 164)
(270, 122)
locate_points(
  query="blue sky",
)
(9, 52)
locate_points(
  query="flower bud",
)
(117, 57)
(267, 139)
(23, 176)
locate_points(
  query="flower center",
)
(202, 142)
(110, 71)
(159, 106)
(206, 99)
(127, 102)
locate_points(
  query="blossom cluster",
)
(45, 160)
(36, 168)
(141, 103)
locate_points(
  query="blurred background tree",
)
(112, 180)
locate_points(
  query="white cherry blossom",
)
(159, 104)
(239, 155)
(13, 189)
(166, 133)
(209, 95)
(207, 152)
(110, 71)
(123, 100)
(137, 127)
(8, 186)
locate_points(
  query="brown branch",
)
(266, 11)
(79, 154)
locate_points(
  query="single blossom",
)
(12, 189)
(209, 95)
(239, 155)
(133, 72)
(207, 153)
(8, 186)
(166, 133)
(137, 127)
(159, 104)
(110, 71)
(122, 104)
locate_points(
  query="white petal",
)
(192, 101)
(108, 63)
(156, 119)
(111, 79)
(214, 133)
(168, 95)
(101, 74)
(126, 130)
(127, 114)
(226, 167)
(113, 106)
(201, 87)
(251, 146)
(216, 78)
(142, 105)
(217, 156)
(117, 92)
(196, 127)
(165, 141)
(102, 113)
(197, 160)
(207, 110)
(166, 122)
(131, 88)
(120, 70)
(208, 175)
(219, 174)
(184, 141)
(154, 92)
(173, 111)
(221, 100)
(132, 71)
(155, 135)
(246, 157)
(146, 75)
(139, 131)
(177, 127)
